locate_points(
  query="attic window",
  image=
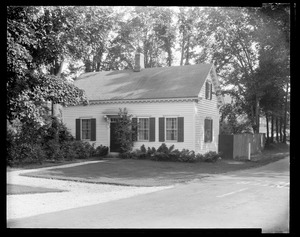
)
(208, 90)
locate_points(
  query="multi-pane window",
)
(208, 130)
(85, 129)
(143, 129)
(171, 129)
(208, 90)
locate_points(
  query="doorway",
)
(114, 144)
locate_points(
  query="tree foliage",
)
(248, 46)
(33, 42)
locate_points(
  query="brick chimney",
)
(138, 62)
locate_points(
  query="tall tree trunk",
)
(277, 129)
(187, 56)
(182, 49)
(267, 120)
(272, 128)
(58, 74)
(169, 59)
(257, 113)
(56, 70)
(280, 128)
(253, 122)
(285, 113)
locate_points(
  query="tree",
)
(147, 28)
(274, 63)
(187, 18)
(31, 103)
(235, 40)
(227, 37)
(28, 87)
(233, 120)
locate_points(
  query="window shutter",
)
(211, 130)
(206, 127)
(152, 130)
(93, 129)
(77, 129)
(134, 129)
(161, 129)
(180, 129)
(206, 90)
(210, 91)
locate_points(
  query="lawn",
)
(12, 189)
(155, 173)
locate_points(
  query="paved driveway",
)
(72, 194)
(254, 198)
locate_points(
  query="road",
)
(253, 198)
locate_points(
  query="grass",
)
(13, 189)
(155, 173)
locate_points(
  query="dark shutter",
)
(161, 129)
(211, 130)
(206, 132)
(134, 129)
(93, 129)
(180, 129)
(206, 90)
(210, 91)
(152, 130)
(78, 128)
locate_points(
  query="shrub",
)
(163, 153)
(143, 149)
(52, 150)
(163, 149)
(68, 150)
(28, 143)
(127, 155)
(35, 154)
(26, 153)
(151, 151)
(211, 156)
(81, 150)
(101, 151)
(187, 156)
(199, 157)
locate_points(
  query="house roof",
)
(149, 83)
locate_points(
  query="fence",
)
(237, 145)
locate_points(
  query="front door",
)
(114, 144)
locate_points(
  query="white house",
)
(174, 105)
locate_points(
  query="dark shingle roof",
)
(150, 83)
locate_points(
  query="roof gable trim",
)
(93, 102)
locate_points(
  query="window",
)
(208, 90)
(208, 130)
(85, 129)
(171, 129)
(143, 129)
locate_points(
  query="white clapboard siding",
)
(206, 108)
(156, 109)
